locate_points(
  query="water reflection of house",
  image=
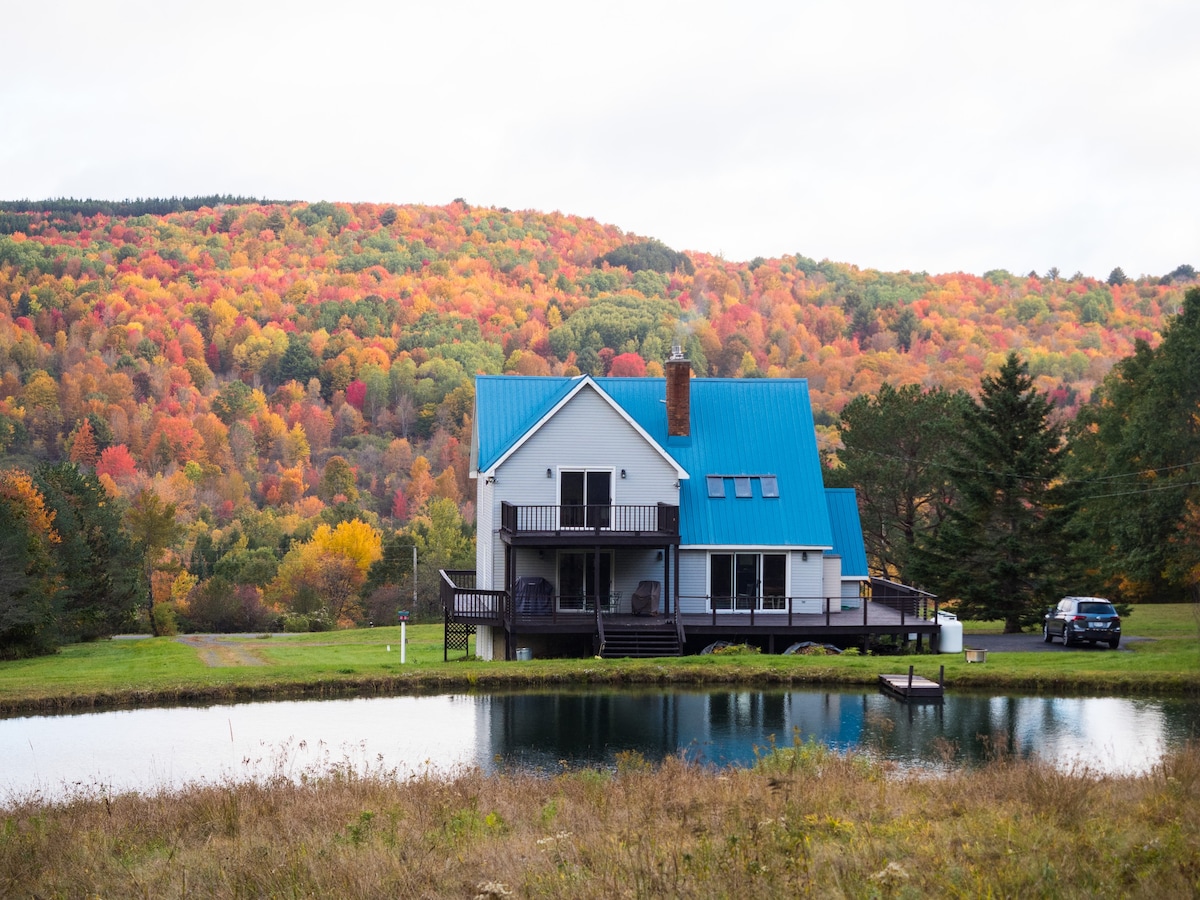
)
(653, 516)
(717, 727)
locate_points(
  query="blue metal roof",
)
(739, 427)
(847, 531)
(507, 406)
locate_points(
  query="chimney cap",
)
(676, 352)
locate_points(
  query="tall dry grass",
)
(803, 822)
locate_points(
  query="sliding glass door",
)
(748, 580)
(577, 589)
(585, 498)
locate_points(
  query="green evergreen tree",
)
(1000, 552)
(97, 563)
(895, 449)
(28, 583)
(1134, 463)
(298, 362)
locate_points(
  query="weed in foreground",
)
(803, 821)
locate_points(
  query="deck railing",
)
(773, 609)
(648, 519)
(462, 600)
(906, 600)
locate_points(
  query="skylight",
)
(743, 486)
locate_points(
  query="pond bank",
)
(557, 674)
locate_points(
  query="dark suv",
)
(1077, 619)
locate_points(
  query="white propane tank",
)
(951, 640)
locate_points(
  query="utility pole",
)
(414, 575)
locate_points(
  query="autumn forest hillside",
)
(272, 368)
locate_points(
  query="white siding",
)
(693, 581)
(806, 582)
(586, 433)
(485, 647)
(831, 576)
(485, 534)
(851, 593)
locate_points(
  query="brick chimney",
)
(679, 397)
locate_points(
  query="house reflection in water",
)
(718, 728)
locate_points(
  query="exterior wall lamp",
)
(622, 473)
(549, 474)
(804, 556)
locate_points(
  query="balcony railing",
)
(656, 520)
(773, 610)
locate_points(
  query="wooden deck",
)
(911, 688)
(773, 630)
(871, 616)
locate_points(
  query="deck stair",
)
(640, 643)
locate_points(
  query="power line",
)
(1145, 490)
(1079, 481)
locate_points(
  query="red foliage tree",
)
(400, 505)
(116, 462)
(356, 393)
(627, 365)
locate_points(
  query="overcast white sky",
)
(936, 136)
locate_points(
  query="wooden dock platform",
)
(912, 687)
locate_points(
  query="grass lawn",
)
(367, 661)
(1155, 620)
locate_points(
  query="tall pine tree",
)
(98, 564)
(895, 447)
(1135, 458)
(999, 553)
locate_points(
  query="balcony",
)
(565, 525)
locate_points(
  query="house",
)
(654, 516)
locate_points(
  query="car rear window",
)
(1097, 608)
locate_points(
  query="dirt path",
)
(216, 650)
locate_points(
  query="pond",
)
(150, 749)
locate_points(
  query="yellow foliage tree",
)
(325, 574)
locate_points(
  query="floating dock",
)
(912, 687)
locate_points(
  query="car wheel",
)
(1046, 634)
(1067, 642)
(1114, 643)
